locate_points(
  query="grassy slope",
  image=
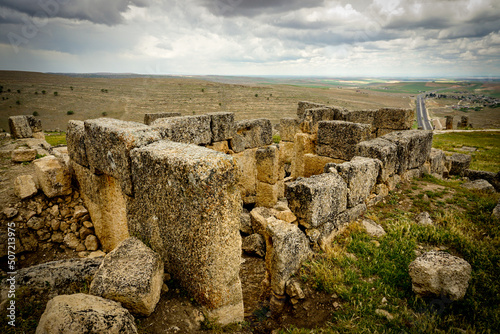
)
(487, 156)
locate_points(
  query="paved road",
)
(422, 117)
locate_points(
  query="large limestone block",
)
(75, 139)
(25, 186)
(56, 277)
(85, 314)
(35, 125)
(222, 125)
(304, 144)
(314, 115)
(481, 185)
(108, 143)
(337, 139)
(414, 148)
(492, 178)
(187, 129)
(396, 119)
(437, 273)
(317, 199)
(327, 232)
(303, 105)
(287, 152)
(268, 194)
(383, 150)
(54, 178)
(151, 117)
(361, 116)
(259, 217)
(437, 160)
(287, 248)
(106, 203)
(251, 134)
(315, 164)
(360, 174)
(459, 163)
(268, 164)
(23, 155)
(247, 174)
(20, 127)
(187, 206)
(289, 127)
(131, 274)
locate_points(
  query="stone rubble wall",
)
(159, 184)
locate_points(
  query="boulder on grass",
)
(481, 185)
(25, 186)
(81, 313)
(131, 274)
(438, 273)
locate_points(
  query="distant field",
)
(130, 98)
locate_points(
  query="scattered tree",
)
(8, 90)
(18, 102)
(104, 114)
(256, 95)
(70, 112)
(56, 93)
(104, 90)
(36, 93)
(44, 92)
(19, 91)
(35, 113)
(1, 89)
(71, 87)
(203, 90)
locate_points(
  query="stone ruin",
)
(183, 185)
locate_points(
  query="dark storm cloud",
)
(107, 12)
(251, 8)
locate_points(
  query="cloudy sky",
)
(408, 38)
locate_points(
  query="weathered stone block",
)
(54, 178)
(481, 185)
(222, 125)
(360, 175)
(25, 186)
(187, 129)
(75, 139)
(259, 217)
(35, 125)
(268, 164)
(254, 244)
(383, 150)
(314, 115)
(317, 199)
(267, 194)
(383, 132)
(20, 127)
(328, 231)
(286, 152)
(108, 143)
(361, 116)
(411, 174)
(287, 248)
(414, 147)
(315, 164)
(251, 134)
(54, 278)
(131, 274)
(151, 117)
(438, 273)
(303, 105)
(184, 191)
(23, 155)
(437, 160)
(247, 174)
(337, 139)
(289, 127)
(492, 178)
(107, 205)
(303, 144)
(396, 119)
(81, 313)
(459, 163)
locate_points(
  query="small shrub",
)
(35, 113)
(104, 90)
(36, 93)
(18, 102)
(8, 90)
(44, 92)
(256, 95)
(71, 87)
(56, 93)
(104, 114)
(19, 91)
(203, 90)
(276, 139)
(70, 112)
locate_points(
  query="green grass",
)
(364, 273)
(56, 139)
(487, 156)
(407, 87)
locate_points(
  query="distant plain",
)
(56, 98)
